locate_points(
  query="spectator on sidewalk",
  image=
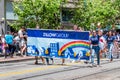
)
(0, 44)
(61, 28)
(4, 46)
(10, 42)
(22, 40)
(47, 59)
(36, 57)
(17, 42)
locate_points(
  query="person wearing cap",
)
(95, 48)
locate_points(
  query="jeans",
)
(110, 47)
(11, 48)
(95, 50)
(47, 60)
(0, 48)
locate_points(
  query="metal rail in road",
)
(71, 69)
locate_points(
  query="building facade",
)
(6, 15)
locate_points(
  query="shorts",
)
(102, 46)
(22, 43)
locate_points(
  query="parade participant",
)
(95, 48)
(110, 42)
(115, 45)
(36, 57)
(75, 28)
(48, 52)
(61, 28)
(102, 43)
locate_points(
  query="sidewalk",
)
(15, 59)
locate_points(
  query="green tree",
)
(44, 13)
(94, 11)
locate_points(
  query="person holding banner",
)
(61, 28)
(47, 59)
(95, 48)
(36, 57)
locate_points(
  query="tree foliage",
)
(44, 13)
(93, 11)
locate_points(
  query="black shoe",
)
(111, 59)
(36, 62)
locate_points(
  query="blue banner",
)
(59, 44)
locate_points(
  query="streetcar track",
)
(96, 73)
(65, 70)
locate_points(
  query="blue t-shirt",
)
(94, 40)
(9, 39)
(110, 39)
(115, 37)
(105, 36)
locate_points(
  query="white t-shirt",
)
(3, 40)
(17, 39)
(20, 33)
(102, 42)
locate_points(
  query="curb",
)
(17, 60)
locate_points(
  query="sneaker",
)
(99, 66)
(94, 65)
(111, 59)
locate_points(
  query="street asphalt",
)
(27, 70)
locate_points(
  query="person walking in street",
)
(48, 51)
(0, 44)
(102, 43)
(95, 48)
(61, 28)
(110, 42)
(36, 57)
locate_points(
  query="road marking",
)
(27, 71)
(35, 69)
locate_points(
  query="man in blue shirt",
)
(9, 40)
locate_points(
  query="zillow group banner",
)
(59, 44)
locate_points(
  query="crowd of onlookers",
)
(13, 42)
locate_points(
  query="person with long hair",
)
(110, 42)
(95, 48)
